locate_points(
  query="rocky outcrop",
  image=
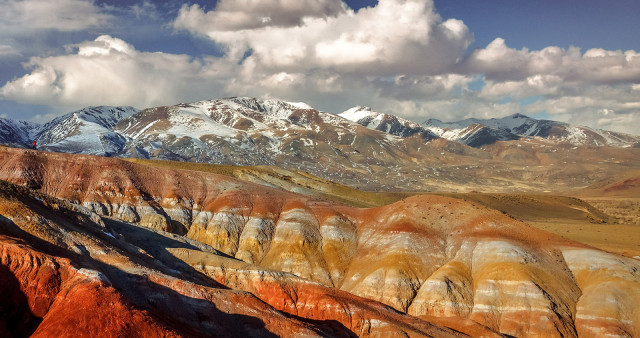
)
(45, 296)
(443, 261)
(64, 274)
(610, 296)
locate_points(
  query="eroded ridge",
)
(441, 260)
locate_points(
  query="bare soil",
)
(611, 223)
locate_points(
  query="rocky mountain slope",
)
(440, 265)
(477, 132)
(359, 148)
(87, 131)
(387, 123)
(257, 132)
(17, 133)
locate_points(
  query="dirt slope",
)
(72, 273)
(445, 261)
(606, 222)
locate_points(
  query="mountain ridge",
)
(387, 123)
(360, 148)
(517, 125)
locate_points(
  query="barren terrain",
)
(609, 222)
(290, 264)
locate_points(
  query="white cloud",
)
(534, 85)
(399, 57)
(235, 15)
(611, 107)
(110, 71)
(62, 15)
(595, 88)
(395, 37)
(501, 63)
(436, 87)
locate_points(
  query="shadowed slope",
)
(107, 286)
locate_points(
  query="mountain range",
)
(478, 132)
(87, 131)
(359, 147)
(126, 246)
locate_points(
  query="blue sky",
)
(572, 60)
(538, 24)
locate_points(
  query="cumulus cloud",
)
(595, 87)
(611, 107)
(399, 57)
(37, 27)
(534, 85)
(110, 71)
(502, 64)
(62, 15)
(409, 87)
(234, 15)
(394, 37)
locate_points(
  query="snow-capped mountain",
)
(86, 131)
(478, 132)
(474, 135)
(387, 123)
(359, 147)
(251, 131)
(17, 133)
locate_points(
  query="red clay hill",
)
(101, 246)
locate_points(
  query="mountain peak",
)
(265, 104)
(358, 113)
(17, 133)
(519, 116)
(86, 130)
(105, 116)
(388, 123)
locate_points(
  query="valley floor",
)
(622, 239)
(607, 223)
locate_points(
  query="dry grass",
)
(611, 224)
(537, 207)
(623, 239)
(289, 180)
(623, 210)
(220, 169)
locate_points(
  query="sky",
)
(576, 61)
